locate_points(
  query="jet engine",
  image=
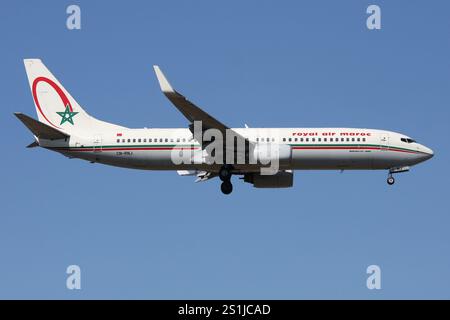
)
(282, 179)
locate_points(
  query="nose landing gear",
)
(390, 179)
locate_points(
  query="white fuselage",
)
(311, 148)
(265, 157)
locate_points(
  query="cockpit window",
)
(408, 140)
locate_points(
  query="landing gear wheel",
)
(390, 180)
(226, 187)
(225, 173)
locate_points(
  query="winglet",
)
(163, 83)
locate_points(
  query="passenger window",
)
(184, 139)
(145, 140)
(313, 139)
(301, 139)
(353, 139)
(160, 140)
(139, 140)
(307, 139)
(319, 139)
(284, 139)
(331, 139)
(123, 140)
(129, 140)
(325, 139)
(134, 140)
(166, 140)
(290, 139)
(267, 140)
(364, 139)
(118, 140)
(359, 139)
(178, 139)
(342, 139)
(296, 139)
(257, 139)
(348, 139)
(171, 140)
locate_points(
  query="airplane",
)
(65, 127)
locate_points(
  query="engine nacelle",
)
(283, 179)
(271, 152)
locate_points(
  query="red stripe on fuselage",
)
(124, 149)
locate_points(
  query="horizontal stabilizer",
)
(39, 129)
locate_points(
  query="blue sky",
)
(138, 234)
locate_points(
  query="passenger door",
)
(384, 141)
(97, 145)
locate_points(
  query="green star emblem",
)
(67, 115)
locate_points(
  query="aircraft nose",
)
(428, 152)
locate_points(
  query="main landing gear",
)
(390, 179)
(225, 175)
(226, 187)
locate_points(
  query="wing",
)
(189, 109)
(195, 113)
